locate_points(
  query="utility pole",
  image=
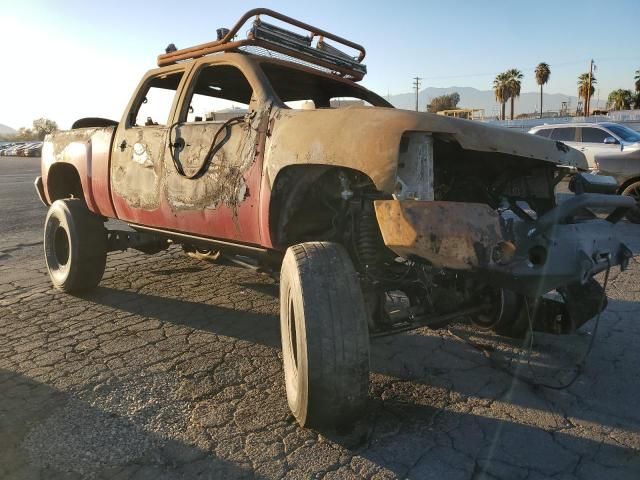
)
(588, 99)
(416, 85)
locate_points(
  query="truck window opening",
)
(220, 92)
(154, 107)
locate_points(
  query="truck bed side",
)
(76, 163)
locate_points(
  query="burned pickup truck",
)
(266, 149)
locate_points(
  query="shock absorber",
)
(368, 241)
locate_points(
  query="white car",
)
(600, 142)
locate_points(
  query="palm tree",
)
(543, 72)
(513, 84)
(620, 99)
(501, 90)
(583, 87)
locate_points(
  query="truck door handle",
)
(123, 145)
(179, 144)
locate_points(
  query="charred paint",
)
(136, 167)
(223, 182)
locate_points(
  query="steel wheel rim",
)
(61, 246)
(293, 337)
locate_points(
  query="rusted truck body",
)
(453, 216)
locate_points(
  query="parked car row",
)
(610, 148)
(22, 149)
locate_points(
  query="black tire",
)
(633, 190)
(504, 318)
(519, 328)
(325, 341)
(75, 246)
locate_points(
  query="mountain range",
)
(528, 102)
(6, 130)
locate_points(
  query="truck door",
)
(213, 164)
(139, 147)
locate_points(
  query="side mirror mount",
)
(610, 141)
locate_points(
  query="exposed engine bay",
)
(470, 246)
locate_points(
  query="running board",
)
(272, 256)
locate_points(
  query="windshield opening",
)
(625, 133)
(301, 89)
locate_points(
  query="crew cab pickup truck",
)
(268, 150)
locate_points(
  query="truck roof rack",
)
(282, 41)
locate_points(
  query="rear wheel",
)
(325, 342)
(633, 190)
(75, 245)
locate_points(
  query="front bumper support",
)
(445, 234)
(531, 258)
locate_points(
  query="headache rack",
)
(311, 48)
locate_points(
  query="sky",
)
(67, 59)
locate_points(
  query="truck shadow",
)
(47, 433)
(452, 362)
(425, 382)
(438, 360)
(241, 324)
(421, 438)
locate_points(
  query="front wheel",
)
(325, 341)
(75, 246)
(633, 190)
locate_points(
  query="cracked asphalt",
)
(171, 368)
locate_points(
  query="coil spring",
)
(368, 241)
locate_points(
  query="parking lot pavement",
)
(171, 368)
(21, 213)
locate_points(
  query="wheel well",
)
(63, 181)
(304, 201)
(626, 183)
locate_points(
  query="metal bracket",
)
(120, 240)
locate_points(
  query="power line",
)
(554, 65)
